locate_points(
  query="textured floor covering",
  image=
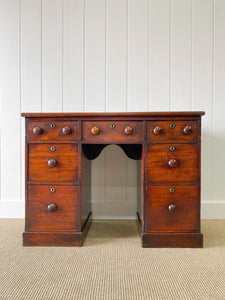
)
(112, 265)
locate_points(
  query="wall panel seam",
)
(170, 56)
(149, 86)
(191, 83)
(213, 98)
(62, 39)
(106, 19)
(20, 67)
(84, 58)
(127, 53)
(41, 55)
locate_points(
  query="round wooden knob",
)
(66, 131)
(95, 130)
(37, 130)
(187, 130)
(157, 130)
(172, 163)
(128, 130)
(52, 207)
(172, 207)
(52, 162)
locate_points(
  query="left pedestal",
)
(55, 212)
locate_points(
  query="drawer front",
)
(101, 132)
(58, 165)
(52, 130)
(177, 211)
(170, 131)
(52, 208)
(166, 166)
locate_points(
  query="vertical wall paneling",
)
(98, 184)
(95, 55)
(30, 67)
(22, 159)
(181, 55)
(137, 73)
(116, 47)
(131, 187)
(31, 55)
(202, 72)
(120, 202)
(1, 83)
(218, 158)
(115, 175)
(52, 55)
(10, 102)
(159, 54)
(73, 55)
(116, 76)
(202, 58)
(138, 63)
(117, 197)
(95, 86)
(111, 55)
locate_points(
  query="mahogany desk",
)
(59, 150)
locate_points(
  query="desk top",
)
(82, 115)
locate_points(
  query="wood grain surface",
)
(59, 150)
(185, 218)
(64, 218)
(66, 168)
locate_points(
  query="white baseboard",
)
(12, 209)
(16, 209)
(97, 217)
(213, 211)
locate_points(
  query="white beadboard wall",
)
(112, 55)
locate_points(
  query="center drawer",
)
(52, 208)
(53, 162)
(112, 131)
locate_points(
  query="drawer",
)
(113, 131)
(52, 130)
(169, 163)
(58, 165)
(52, 208)
(170, 131)
(177, 211)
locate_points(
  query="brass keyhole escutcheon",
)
(53, 148)
(172, 125)
(112, 126)
(52, 125)
(172, 148)
(52, 190)
(172, 190)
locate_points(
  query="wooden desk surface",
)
(115, 114)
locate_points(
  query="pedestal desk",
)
(59, 150)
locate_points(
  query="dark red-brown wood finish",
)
(59, 150)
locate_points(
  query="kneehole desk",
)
(59, 150)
